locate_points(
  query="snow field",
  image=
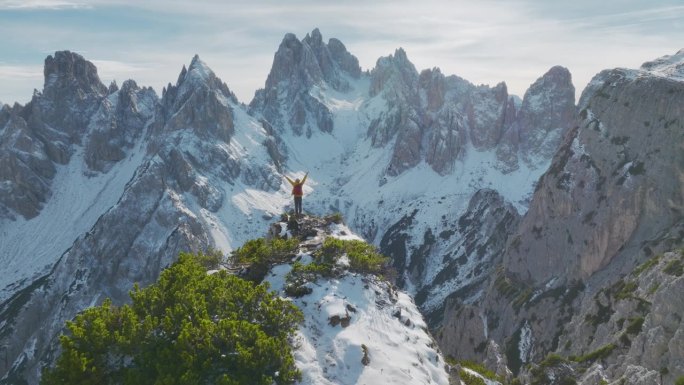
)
(387, 323)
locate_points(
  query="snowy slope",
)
(344, 166)
(383, 320)
(348, 175)
(79, 198)
(203, 176)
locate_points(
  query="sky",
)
(484, 41)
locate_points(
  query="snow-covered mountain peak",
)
(287, 101)
(68, 69)
(395, 71)
(400, 55)
(314, 38)
(199, 70)
(397, 60)
(666, 68)
(671, 66)
(302, 64)
(199, 76)
(195, 85)
(556, 80)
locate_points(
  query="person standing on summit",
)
(298, 192)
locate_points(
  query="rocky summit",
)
(540, 239)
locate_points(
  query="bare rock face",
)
(446, 126)
(25, 168)
(639, 316)
(118, 123)
(199, 100)
(71, 84)
(297, 67)
(35, 137)
(345, 60)
(434, 86)
(397, 79)
(509, 147)
(454, 260)
(446, 141)
(582, 276)
(469, 343)
(434, 118)
(421, 120)
(606, 194)
(547, 111)
(486, 114)
(396, 75)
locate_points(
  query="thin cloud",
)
(42, 5)
(485, 42)
(25, 72)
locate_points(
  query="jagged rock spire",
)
(68, 69)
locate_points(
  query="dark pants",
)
(298, 205)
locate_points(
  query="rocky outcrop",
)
(41, 134)
(639, 316)
(192, 155)
(25, 167)
(286, 102)
(417, 108)
(434, 118)
(350, 315)
(199, 119)
(486, 113)
(569, 283)
(199, 101)
(118, 124)
(609, 194)
(454, 259)
(71, 93)
(547, 112)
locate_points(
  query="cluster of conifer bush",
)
(189, 327)
(362, 258)
(192, 327)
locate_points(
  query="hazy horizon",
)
(485, 42)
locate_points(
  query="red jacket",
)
(297, 188)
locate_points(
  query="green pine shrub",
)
(363, 257)
(598, 354)
(259, 254)
(675, 267)
(646, 265)
(211, 259)
(481, 369)
(553, 359)
(334, 218)
(187, 328)
(635, 325)
(470, 379)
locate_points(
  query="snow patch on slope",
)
(669, 66)
(384, 321)
(31, 247)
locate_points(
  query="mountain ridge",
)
(404, 163)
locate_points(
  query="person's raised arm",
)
(305, 175)
(290, 180)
